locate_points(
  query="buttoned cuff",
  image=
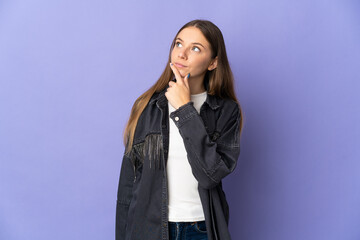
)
(183, 114)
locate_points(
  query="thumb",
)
(186, 80)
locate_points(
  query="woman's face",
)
(192, 53)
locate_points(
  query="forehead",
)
(193, 34)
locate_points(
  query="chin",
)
(182, 74)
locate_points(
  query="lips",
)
(179, 65)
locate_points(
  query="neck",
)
(196, 85)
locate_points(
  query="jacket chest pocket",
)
(149, 152)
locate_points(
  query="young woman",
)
(181, 140)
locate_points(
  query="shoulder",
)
(228, 105)
(228, 114)
(154, 97)
(149, 120)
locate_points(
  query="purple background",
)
(71, 70)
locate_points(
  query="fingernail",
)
(188, 75)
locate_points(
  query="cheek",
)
(201, 64)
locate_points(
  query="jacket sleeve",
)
(124, 197)
(210, 161)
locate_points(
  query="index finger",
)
(176, 73)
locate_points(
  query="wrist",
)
(183, 104)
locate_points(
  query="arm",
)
(124, 197)
(210, 161)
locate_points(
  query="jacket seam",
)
(142, 139)
(228, 146)
(185, 119)
(123, 202)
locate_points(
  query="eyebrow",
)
(192, 43)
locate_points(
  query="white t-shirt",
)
(184, 199)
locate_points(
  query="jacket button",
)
(176, 118)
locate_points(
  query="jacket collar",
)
(161, 100)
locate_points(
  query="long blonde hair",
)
(219, 82)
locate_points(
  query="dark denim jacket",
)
(212, 142)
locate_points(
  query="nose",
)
(182, 53)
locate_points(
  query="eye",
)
(196, 49)
(177, 44)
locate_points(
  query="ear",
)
(213, 64)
